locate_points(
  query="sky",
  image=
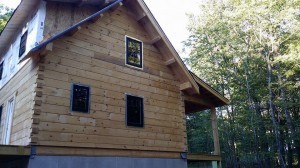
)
(170, 14)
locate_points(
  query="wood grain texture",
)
(21, 87)
(50, 150)
(95, 56)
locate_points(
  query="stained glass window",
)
(134, 52)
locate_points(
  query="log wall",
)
(95, 56)
(22, 88)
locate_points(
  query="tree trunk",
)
(264, 145)
(291, 129)
(272, 112)
(252, 108)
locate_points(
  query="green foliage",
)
(199, 128)
(232, 45)
(5, 14)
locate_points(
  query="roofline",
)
(169, 45)
(210, 89)
(194, 80)
(10, 18)
(14, 24)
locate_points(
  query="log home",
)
(96, 83)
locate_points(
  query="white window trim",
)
(126, 53)
(8, 121)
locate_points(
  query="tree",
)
(249, 51)
(5, 14)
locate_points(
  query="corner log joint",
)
(47, 49)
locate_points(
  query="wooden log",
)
(141, 16)
(6, 150)
(92, 151)
(73, 31)
(46, 49)
(203, 157)
(215, 131)
(115, 7)
(154, 40)
(170, 61)
(35, 130)
(35, 120)
(95, 19)
(185, 86)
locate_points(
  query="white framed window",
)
(133, 52)
(1, 109)
(23, 42)
(1, 69)
(8, 121)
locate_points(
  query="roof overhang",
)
(16, 22)
(84, 2)
(209, 92)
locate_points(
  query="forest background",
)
(249, 50)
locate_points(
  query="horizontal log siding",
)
(95, 56)
(22, 86)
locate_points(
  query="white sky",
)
(170, 14)
(10, 3)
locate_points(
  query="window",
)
(134, 111)
(8, 121)
(134, 52)
(80, 98)
(1, 70)
(1, 108)
(23, 44)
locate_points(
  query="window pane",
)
(135, 111)
(23, 44)
(1, 108)
(8, 121)
(134, 52)
(80, 99)
(1, 70)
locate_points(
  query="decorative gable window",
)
(23, 44)
(80, 98)
(134, 52)
(1, 70)
(134, 111)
